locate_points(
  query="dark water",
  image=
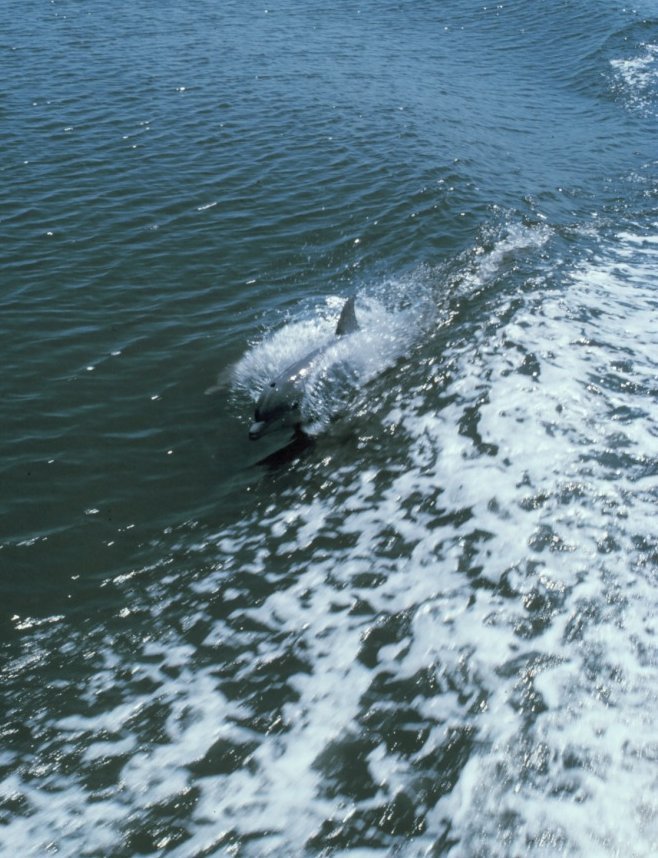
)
(431, 629)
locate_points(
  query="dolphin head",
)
(278, 407)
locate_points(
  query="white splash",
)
(638, 77)
(345, 365)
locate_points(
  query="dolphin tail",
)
(347, 324)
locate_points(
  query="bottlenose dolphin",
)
(280, 402)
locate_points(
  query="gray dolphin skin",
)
(280, 402)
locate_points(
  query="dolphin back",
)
(347, 324)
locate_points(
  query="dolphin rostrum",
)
(280, 402)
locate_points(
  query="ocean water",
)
(430, 627)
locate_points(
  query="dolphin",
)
(279, 405)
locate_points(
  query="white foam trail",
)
(579, 778)
(545, 658)
(447, 651)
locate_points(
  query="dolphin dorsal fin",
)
(347, 323)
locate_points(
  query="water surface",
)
(430, 630)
